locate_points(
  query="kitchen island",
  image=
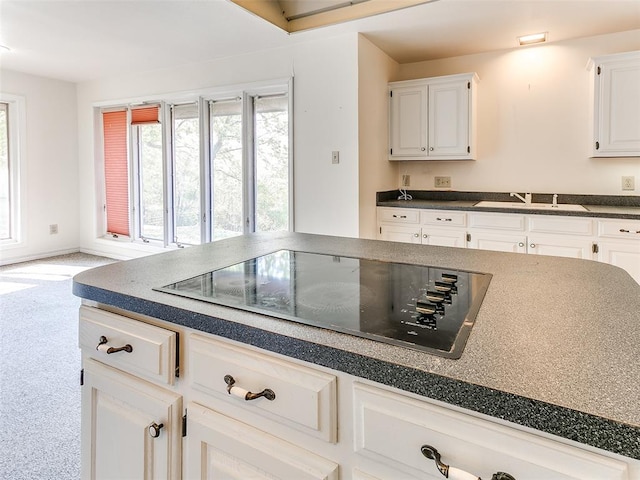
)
(554, 347)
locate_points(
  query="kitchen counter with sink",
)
(554, 346)
(609, 206)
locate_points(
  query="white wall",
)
(376, 173)
(325, 119)
(533, 124)
(49, 167)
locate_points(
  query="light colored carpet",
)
(40, 368)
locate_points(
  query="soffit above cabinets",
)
(298, 15)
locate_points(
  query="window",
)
(186, 174)
(5, 176)
(146, 132)
(191, 172)
(11, 115)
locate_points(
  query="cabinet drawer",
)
(629, 229)
(398, 215)
(498, 221)
(478, 446)
(153, 349)
(305, 399)
(443, 217)
(567, 225)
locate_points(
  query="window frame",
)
(202, 98)
(16, 125)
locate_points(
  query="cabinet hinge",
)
(391, 151)
(468, 237)
(597, 145)
(81, 377)
(468, 85)
(598, 70)
(468, 148)
(380, 230)
(391, 93)
(184, 424)
(594, 248)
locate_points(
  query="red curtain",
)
(116, 171)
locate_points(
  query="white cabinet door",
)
(449, 119)
(444, 237)
(408, 122)
(221, 448)
(131, 429)
(617, 105)
(498, 242)
(400, 233)
(622, 254)
(560, 246)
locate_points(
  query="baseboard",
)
(38, 256)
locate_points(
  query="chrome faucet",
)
(526, 199)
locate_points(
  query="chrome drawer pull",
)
(103, 347)
(399, 216)
(444, 219)
(623, 230)
(455, 473)
(247, 395)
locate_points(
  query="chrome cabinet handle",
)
(455, 473)
(103, 347)
(425, 236)
(623, 230)
(247, 395)
(416, 235)
(154, 429)
(431, 149)
(399, 216)
(533, 245)
(422, 149)
(521, 244)
(444, 219)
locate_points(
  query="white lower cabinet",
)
(612, 241)
(203, 427)
(467, 443)
(131, 429)
(440, 228)
(619, 245)
(221, 448)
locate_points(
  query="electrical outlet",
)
(406, 180)
(628, 183)
(53, 229)
(442, 182)
(335, 157)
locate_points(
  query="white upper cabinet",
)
(433, 118)
(616, 108)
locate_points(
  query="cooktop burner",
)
(426, 308)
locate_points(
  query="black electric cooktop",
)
(425, 308)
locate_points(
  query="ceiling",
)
(88, 39)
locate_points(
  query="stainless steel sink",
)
(532, 206)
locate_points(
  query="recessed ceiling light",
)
(533, 38)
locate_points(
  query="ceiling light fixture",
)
(533, 38)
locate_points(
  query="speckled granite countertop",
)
(604, 206)
(555, 346)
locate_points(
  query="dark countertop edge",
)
(588, 429)
(422, 199)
